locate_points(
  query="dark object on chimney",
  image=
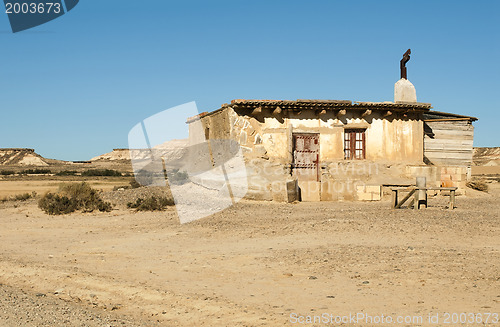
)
(406, 58)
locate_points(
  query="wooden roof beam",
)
(366, 113)
(341, 113)
(257, 111)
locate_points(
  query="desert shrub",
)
(72, 197)
(101, 172)
(479, 185)
(36, 171)
(86, 198)
(67, 173)
(151, 204)
(19, 197)
(55, 204)
(178, 177)
(147, 177)
(24, 196)
(134, 184)
(7, 172)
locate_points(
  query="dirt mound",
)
(21, 157)
(486, 156)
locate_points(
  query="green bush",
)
(36, 171)
(7, 172)
(151, 204)
(101, 172)
(72, 197)
(67, 173)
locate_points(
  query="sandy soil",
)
(253, 264)
(485, 170)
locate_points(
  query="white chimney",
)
(404, 91)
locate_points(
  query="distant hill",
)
(22, 157)
(486, 156)
(116, 154)
(171, 149)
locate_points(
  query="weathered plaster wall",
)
(396, 138)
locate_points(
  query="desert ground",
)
(254, 264)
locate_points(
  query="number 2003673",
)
(33, 8)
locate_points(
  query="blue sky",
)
(74, 87)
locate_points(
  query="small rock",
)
(312, 277)
(59, 291)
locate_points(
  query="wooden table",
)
(414, 191)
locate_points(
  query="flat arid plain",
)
(253, 264)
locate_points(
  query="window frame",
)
(354, 141)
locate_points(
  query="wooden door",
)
(306, 156)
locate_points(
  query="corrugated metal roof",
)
(431, 114)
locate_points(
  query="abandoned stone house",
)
(329, 150)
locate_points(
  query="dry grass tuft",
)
(151, 203)
(19, 197)
(479, 185)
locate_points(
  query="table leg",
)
(394, 198)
